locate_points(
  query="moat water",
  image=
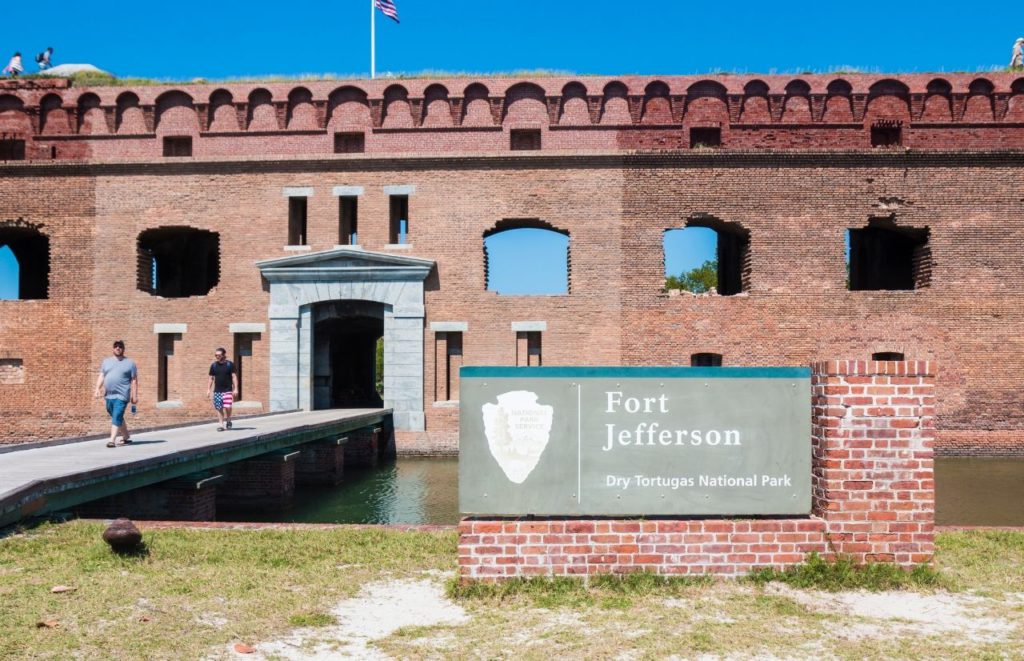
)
(969, 492)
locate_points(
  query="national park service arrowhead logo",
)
(517, 430)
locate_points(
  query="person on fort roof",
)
(14, 66)
(223, 387)
(118, 382)
(1017, 58)
(44, 59)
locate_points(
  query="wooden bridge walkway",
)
(53, 478)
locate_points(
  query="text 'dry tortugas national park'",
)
(339, 240)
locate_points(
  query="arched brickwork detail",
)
(301, 113)
(53, 116)
(261, 116)
(888, 99)
(222, 113)
(1015, 109)
(476, 108)
(437, 108)
(838, 108)
(797, 109)
(979, 101)
(937, 102)
(657, 108)
(705, 103)
(524, 103)
(91, 119)
(348, 107)
(129, 119)
(13, 119)
(175, 113)
(755, 108)
(573, 108)
(397, 112)
(615, 104)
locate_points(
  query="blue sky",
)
(232, 40)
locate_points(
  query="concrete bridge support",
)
(321, 463)
(263, 482)
(187, 498)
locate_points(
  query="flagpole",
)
(373, 52)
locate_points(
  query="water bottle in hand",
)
(134, 409)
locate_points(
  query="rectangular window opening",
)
(165, 363)
(12, 150)
(12, 371)
(887, 356)
(296, 221)
(706, 360)
(178, 145)
(704, 137)
(885, 257)
(349, 143)
(528, 349)
(348, 216)
(243, 360)
(399, 232)
(448, 361)
(524, 139)
(887, 134)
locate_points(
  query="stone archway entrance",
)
(305, 286)
(345, 370)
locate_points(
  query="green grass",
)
(818, 573)
(168, 602)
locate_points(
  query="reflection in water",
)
(979, 491)
(411, 490)
(969, 492)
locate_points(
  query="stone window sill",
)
(170, 404)
(298, 248)
(242, 404)
(451, 404)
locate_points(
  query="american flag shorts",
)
(222, 400)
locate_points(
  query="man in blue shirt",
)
(118, 382)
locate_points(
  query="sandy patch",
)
(378, 611)
(906, 613)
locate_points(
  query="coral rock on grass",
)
(123, 536)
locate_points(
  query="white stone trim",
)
(297, 191)
(529, 326)
(449, 326)
(242, 327)
(403, 189)
(347, 191)
(242, 404)
(349, 246)
(170, 404)
(398, 246)
(169, 328)
(298, 248)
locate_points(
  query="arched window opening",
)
(707, 254)
(526, 257)
(24, 264)
(887, 355)
(883, 256)
(706, 360)
(177, 262)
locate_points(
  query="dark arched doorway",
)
(346, 369)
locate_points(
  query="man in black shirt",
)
(223, 387)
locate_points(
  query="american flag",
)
(388, 8)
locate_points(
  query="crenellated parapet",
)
(938, 111)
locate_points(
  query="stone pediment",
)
(345, 265)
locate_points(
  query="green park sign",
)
(635, 440)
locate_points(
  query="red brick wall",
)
(615, 205)
(873, 498)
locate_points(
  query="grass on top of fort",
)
(274, 593)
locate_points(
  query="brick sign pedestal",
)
(873, 498)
